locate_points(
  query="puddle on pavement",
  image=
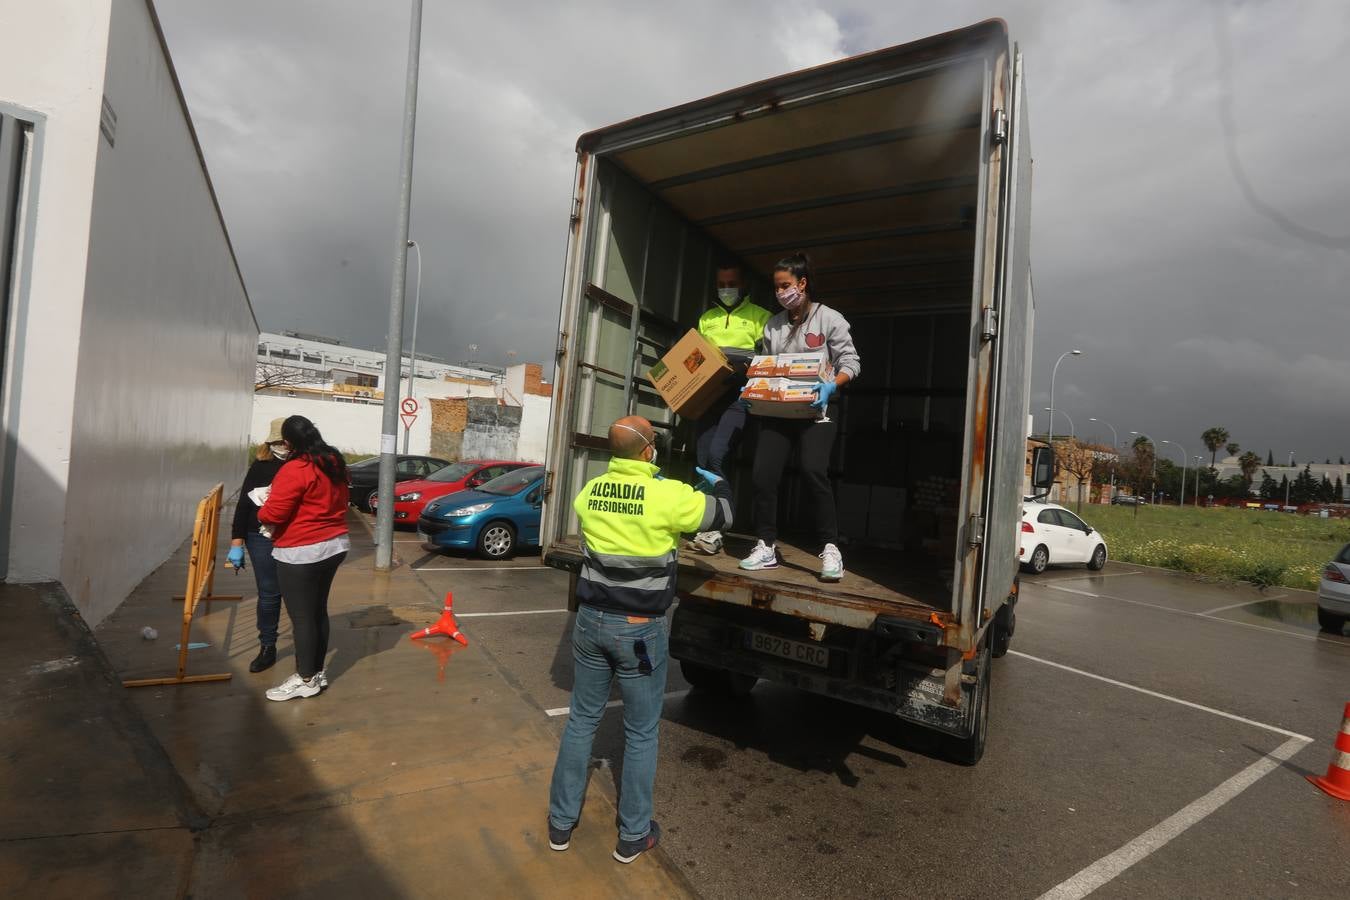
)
(1300, 613)
(442, 648)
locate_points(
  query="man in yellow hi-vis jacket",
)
(732, 322)
(631, 522)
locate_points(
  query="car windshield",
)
(1344, 556)
(453, 472)
(365, 463)
(513, 482)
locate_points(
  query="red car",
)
(410, 496)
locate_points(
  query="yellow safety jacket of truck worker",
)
(631, 522)
(740, 328)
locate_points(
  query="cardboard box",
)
(691, 376)
(781, 398)
(799, 366)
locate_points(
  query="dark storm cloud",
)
(1190, 215)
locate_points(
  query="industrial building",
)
(129, 340)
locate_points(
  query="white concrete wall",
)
(355, 427)
(168, 340)
(534, 428)
(53, 65)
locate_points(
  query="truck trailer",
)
(905, 174)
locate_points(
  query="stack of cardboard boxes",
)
(783, 385)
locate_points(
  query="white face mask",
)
(281, 451)
(653, 459)
(727, 296)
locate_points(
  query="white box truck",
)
(905, 174)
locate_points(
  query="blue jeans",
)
(605, 644)
(269, 588)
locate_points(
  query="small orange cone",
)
(1337, 780)
(445, 625)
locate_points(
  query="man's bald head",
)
(630, 436)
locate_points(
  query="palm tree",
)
(1214, 438)
(1249, 462)
(1232, 449)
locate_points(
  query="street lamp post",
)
(1073, 429)
(412, 357)
(393, 361)
(1050, 434)
(1153, 488)
(1115, 445)
(1287, 480)
(1197, 459)
(1182, 501)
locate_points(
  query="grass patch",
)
(1262, 548)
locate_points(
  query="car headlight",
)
(468, 510)
(408, 498)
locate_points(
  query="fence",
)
(200, 580)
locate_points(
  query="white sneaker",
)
(293, 687)
(832, 564)
(709, 542)
(322, 676)
(762, 557)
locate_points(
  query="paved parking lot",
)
(1149, 737)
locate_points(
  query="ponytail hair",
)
(306, 442)
(796, 264)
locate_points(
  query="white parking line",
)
(1219, 609)
(1323, 639)
(1110, 866)
(1087, 577)
(564, 710)
(513, 612)
(1170, 699)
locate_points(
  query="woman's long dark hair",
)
(306, 441)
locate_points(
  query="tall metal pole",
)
(1287, 480)
(1050, 435)
(412, 357)
(393, 361)
(1115, 445)
(1184, 460)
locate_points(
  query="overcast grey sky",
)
(1191, 225)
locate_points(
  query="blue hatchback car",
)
(493, 519)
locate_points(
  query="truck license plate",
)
(796, 651)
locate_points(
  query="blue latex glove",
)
(707, 476)
(236, 557)
(824, 391)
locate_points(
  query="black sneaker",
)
(559, 838)
(266, 658)
(627, 851)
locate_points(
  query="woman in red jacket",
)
(307, 512)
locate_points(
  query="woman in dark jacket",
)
(244, 535)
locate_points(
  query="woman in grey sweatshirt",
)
(803, 326)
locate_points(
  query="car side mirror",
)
(1042, 468)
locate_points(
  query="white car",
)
(1333, 594)
(1052, 536)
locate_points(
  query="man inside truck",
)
(631, 522)
(735, 324)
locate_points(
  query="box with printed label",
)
(691, 375)
(781, 398)
(798, 366)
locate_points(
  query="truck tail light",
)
(1027, 529)
(1333, 573)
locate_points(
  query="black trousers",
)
(716, 431)
(814, 442)
(304, 588)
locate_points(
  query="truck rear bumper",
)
(713, 641)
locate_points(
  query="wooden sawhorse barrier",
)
(200, 580)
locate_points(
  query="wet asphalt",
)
(1086, 783)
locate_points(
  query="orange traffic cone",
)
(445, 625)
(1337, 780)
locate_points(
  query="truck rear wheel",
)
(968, 750)
(1000, 636)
